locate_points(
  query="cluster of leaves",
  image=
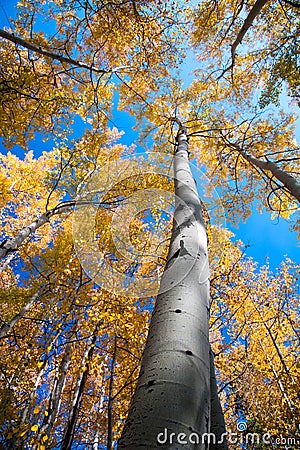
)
(255, 336)
(232, 28)
(76, 347)
(67, 345)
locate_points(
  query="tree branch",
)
(253, 13)
(63, 59)
(12, 244)
(291, 184)
(289, 2)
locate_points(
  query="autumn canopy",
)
(87, 207)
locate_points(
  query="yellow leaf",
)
(34, 428)
(36, 410)
(45, 438)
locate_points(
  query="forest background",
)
(68, 344)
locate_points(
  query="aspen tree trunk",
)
(7, 326)
(79, 389)
(110, 399)
(290, 183)
(96, 440)
(217, 425)
(171, 404)
(278, 381)
(12, 444)
(253, 13)
(13, 244)
(56, 56)
(55, 396)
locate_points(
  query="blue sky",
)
(267, 239)
(6, 11)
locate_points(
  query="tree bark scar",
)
(181, 251)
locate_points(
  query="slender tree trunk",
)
(6, 327)
(56, 56)
(253, 13)
(55, 398)
(278, 381)
(171, 404)
(110, 398)
(37, 383)
(38, 49)
(6, 263)
(33, 392)
(12, 443)
(96, 439)
(281, 358)
(79, 389)
(290, 183)
(12, 244)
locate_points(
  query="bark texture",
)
(12, 244)
(173, 390)
(290, 183)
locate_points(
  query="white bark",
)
(55, 397)
(12, 244)
(291, 184)
(6, 263)
(173, 390)
(8, 326)
(278, 381)
(37, 383)
(78, 392)
(110, 398)
(55, 56)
